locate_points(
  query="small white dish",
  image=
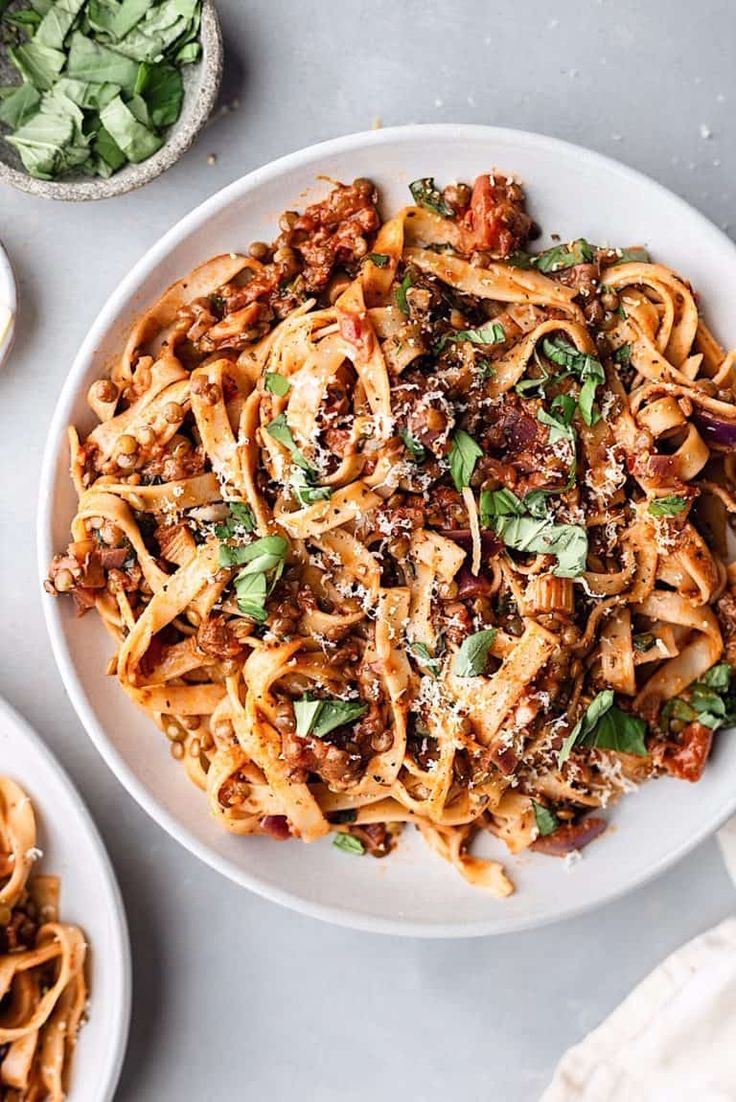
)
(573, 192)
(73, 850)
(8, 306)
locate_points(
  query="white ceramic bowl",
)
(8, 306)
(573, 192)
(73, 850)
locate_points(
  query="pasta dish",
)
(398, 521)
(42, 985)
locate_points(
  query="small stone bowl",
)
(201, 84)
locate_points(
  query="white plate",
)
(573, 192)
(73, 850)
(8, 306)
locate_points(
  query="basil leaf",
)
(56, 24)
(243, 515)
(520, 259)
(617, 730)
(23, 19)
(425, 193)
(280, 431)
(108, 149)
(417, 450)
(546, 820)
(17, 108)
(114, 18)
(595, 710)
(326, 716)
(432, 664)
(400, 293)
(381, 260)
(499, 503)
(305, 713)
(137, 142)
(559, 428)
(40, 143)
(464, 454)
(90, 60)
(261, 555)
(251, 592)
(536, 387)
(277, 384)
(718, 677)
(348, 843)
(493, 333)
(188, 53)
(307, 494)
(472, 657)
(564, 354)
(643, 642)
(622, 355)
(567, 542)
(163, 90)
(537, 505)
(563, 256)
(38, 65)
(668, 506)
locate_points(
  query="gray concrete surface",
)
(234, 997)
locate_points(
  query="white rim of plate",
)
(9, 302)
(113, 1060)
(259, 176)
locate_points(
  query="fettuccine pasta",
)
(394, 521)
(43, 992)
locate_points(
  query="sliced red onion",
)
(715, 431)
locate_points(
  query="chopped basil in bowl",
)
(98, 97)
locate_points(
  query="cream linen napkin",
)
(673, 1039)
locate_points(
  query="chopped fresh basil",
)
(472, 657)
(499, 503)
(710, 701)
(400, 293)
(280, 431)
(464, 454)
(92, 58)
(348, 843)
(567, 542)
(588, 369)
(520, 259)
(425, 193)
(643, 642)
(319, 717)
(277, 384)
(429, 661)
(618, 730)
(260, 555)
(251, 591)
(560, 427)
(719, 677)
(241, 517)
(563, 256)
(415, 449)
(668, 506)
(493, 333)
(305, 493)
(605, 726)
(535, 387)
(381, 260)
(546, 820)
(622, 355)
(484, 367)
(18, 107)
(597, 708)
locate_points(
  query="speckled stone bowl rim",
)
(182, 134)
